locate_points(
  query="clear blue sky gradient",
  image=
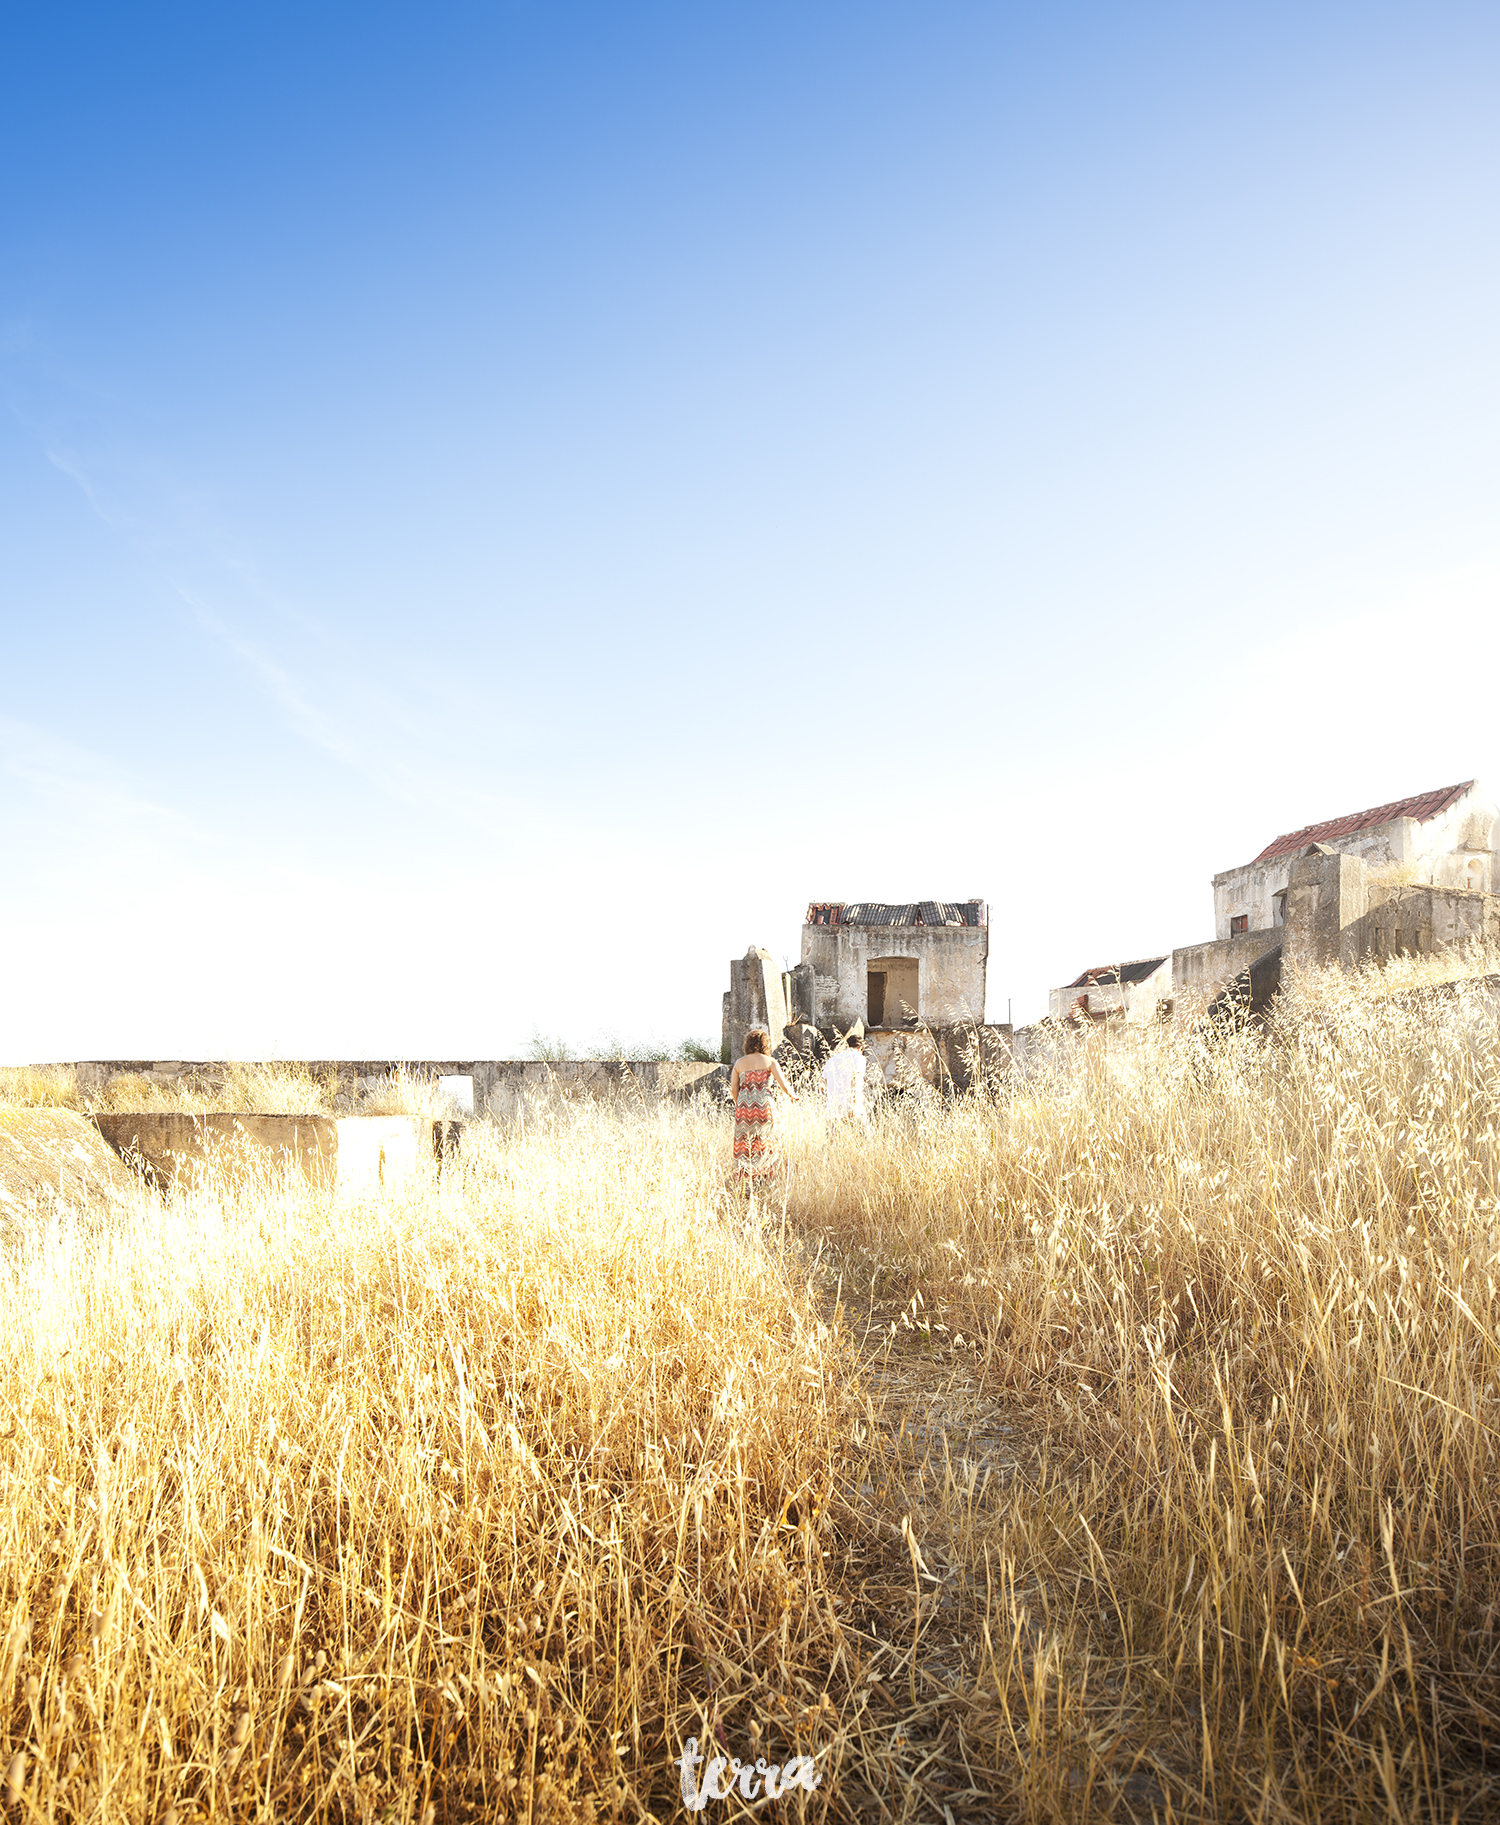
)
(500, 506)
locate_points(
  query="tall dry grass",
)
(276, 1087)
(1242, 1301)
(469, 1500)
(1148, 1471)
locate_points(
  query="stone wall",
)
(950, 960)
(500, 1086)
(1201, 970)
(517, 1086)
(1340, 911)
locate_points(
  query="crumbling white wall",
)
(1134, 1002)
(1458, 848)
(756, 997)
(951, 962)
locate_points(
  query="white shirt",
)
(844, 1074)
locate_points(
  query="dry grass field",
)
(1122, 1447)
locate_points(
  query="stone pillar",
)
(755, 999)
(804, 993)
(1326, 901)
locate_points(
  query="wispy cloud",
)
(197, 556)
(84, 785)
(414, 726)
(291, 696)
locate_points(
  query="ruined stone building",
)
(885, 967)
(1415, 875)
(891, 966)
(1133, 992)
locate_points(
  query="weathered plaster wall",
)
(1203, 969)
(950, 960)
(501, 1086)
(1250, 892)
(1340, 911)
(1458, 848)
(1138, 1001)
(756, 997)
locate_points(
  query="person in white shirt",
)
(844, 1074)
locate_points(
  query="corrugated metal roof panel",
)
(1107, 974)
(893, 912)
(1425, 805)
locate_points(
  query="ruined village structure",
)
(1135, 992)
(1417, 875)
(909, 975)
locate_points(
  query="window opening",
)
(458, 1093)
(1239, 923)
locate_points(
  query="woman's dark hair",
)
(757, 1040)
(857, 1040)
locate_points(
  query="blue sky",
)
(500, 506)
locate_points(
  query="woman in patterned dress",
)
(755, 1155)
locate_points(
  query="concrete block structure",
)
(891, 966)
(758, 995)
(352, 1154)
(1132, 992)
(1416, 875)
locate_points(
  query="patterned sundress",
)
(755, 1155)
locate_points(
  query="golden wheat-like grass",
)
(1120, 1447)
(277, 1087)
(466, 1495)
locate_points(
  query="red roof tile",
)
(1425, 805)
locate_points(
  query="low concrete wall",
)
(350, 1153)
(1203, 969)
(500, 1085)
(1418, 919)
(516, 1085)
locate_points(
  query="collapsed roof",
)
(909, 912)
(1108, 974)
